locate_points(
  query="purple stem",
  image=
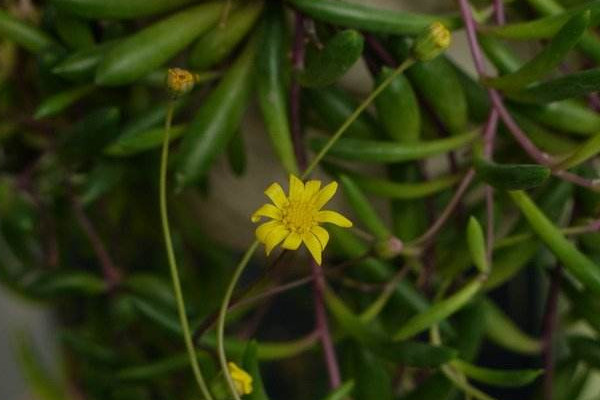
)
(112, 276)
(594, 101)
(322, 328)
(528, 146)
(499, 12)
(381, 51)
(488, 136)
(549, 327)
(439, 223)
(297, 64)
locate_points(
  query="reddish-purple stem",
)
(594, 101)
(528, 146)
(319, 282)
(488, 136)
(297, 64)
(112, 276)
(322, 328)
(381, 51)
(499, 12)
(549, 327)
(439, 223)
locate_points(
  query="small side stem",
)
(322, 328)
(549, 327)
(112, 275)
(521, 137)
(223, 316)
(439, 223)
(295, 91)
(366, 102)
(488, 137)
(171, 258)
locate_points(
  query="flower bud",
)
(389, 248)
(179, 81)
(241, 380)
(432, 42)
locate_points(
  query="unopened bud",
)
(179, 81)
(432, 42)
(389, 248)
(241, 380)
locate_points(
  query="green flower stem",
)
(223, 315)
(385, 83)
(456, 377)
(171, 258)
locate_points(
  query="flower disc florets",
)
(296, 218)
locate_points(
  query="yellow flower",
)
(296, 217)
(241, 379)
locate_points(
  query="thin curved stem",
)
(439, 223)
(171, 258)
(315, 161)
(223, 315)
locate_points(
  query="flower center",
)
(299, 216)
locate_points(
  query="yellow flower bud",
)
(179, 81)
(241, 379)
(432, 42)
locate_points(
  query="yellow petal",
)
(321, 234)
(325, 195)
(275, 237)
(313, 245)
(310, 189)
(266, 210)
(333, 218)
(263, 230)
(292, 242)
(296, 188)
(277, 195)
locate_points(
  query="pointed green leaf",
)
(57, 103)
(502, 331)
(403, 190)
(439, 311)
(398, 108)
(390, 152)
(545, 27)
(498, 377)
(343, 391)
(363, 208)
(271, 85)
(118, 8)
(250, 364)
(324, 66)
(30, 37)
(585, 349)
(548, 59)
(81, 65)
(359, 16)
(137, 142)
(216, 121)
(584, 269)
(511, 176)
(588, 149)
(137, 55)
(568, 86)
(476, 242)
(68, 283)
(217, 44)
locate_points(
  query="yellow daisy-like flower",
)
(241, 379)
(296, 218)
